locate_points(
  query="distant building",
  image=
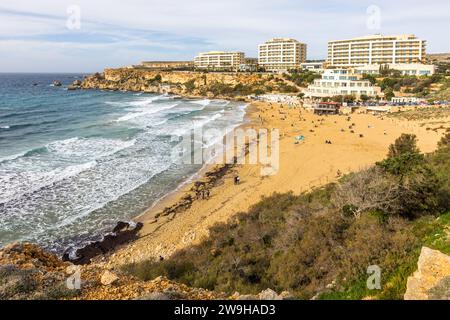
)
(219, 60)
(281, 54)
(169, 65)
(315, 66)
(413, 69)
(336, 82)
(376, 49)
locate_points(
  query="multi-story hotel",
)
(281, 54)
(336, 82)
(219, 60)
(376, 49)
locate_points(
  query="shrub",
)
(406, 143)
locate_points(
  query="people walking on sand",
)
(237, 180)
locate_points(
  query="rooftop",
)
(380, 37)
(220, 52)
(278, 40)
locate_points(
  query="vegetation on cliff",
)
(321, 243)
(435, 87)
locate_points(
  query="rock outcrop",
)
(187, 84)
(122, 233)
(432, 279)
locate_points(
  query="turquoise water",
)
(73, 163)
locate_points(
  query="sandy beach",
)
(303, 166)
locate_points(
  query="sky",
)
(89, 35)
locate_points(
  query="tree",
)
(364, 98)
(406, 143)
(389, 94)
(367, 191)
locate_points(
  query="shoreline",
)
(149, 215)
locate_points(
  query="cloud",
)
(176, 29)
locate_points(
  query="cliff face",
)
(194, 84)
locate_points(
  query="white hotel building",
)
(219, 60)
(281, 54)
(336, 82)
(376, 49)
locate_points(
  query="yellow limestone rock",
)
(108, 278)
(433, 268)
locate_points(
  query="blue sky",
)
(34, 36)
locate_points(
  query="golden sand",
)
(303, 166)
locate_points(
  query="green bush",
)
(407, 143)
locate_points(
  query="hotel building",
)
(406, 69)
(166, 65)
(337, 82)
(281, 54)
(376, 49)
(220, 60)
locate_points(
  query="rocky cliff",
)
(432, 279)
(28, 272)
(189, 84)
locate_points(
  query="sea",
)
(74, 163)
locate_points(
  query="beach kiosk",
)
(326, 108)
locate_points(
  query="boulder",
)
(269, 294)
(431, 278)
(108, 278)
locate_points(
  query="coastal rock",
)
(108, 278)
(431, 280)
(57, 83)
(188, 84)
(124, 232)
